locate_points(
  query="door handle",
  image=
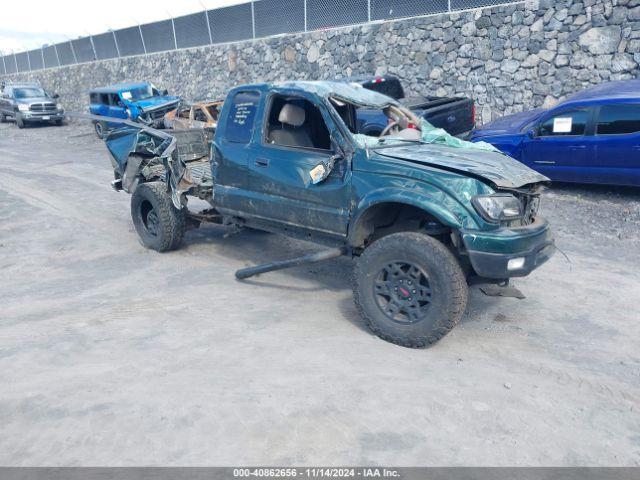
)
(577, 147)
(262, 162)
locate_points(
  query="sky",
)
(29, 24)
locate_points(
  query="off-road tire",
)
(169, 223)
(59, 122)
(445, 277)
(3, 117)
(19, 121)
(100, 130)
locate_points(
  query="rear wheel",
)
(159, 224)
(410, 289)
(20, 121)
(100, 130)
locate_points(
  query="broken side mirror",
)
(531, 133)
(56, 96)
(165, 92)
(320, 172)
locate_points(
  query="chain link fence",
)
(255, 19)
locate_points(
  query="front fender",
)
(403, 196)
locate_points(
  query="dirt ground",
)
(111, 354)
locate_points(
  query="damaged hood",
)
(154, 102)
(496, 168)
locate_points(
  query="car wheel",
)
(3, 117)
(59, 122)
(19, 121)
(160, 225)
(100, 130)
(410, 289)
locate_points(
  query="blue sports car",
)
(592, 137)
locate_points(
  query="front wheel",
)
(409, 289)
(160, 225)
(19, 121)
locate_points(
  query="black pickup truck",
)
(420, 219)
(456, 115)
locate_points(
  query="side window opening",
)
(104, 98)
(296, 122)
(199, 116)
(618, 119)
(566, 123)
(184, 113)
(242, 116)
(347, 112)
(114, 99)
(214, 112)
(94, 98)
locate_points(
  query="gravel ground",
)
(111, 354)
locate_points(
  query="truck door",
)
(294, 140)
(563, 146)
(618, 144)
(231, 151)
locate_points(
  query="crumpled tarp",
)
(429, 134)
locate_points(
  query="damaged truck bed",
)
(422, 213)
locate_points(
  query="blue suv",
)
(140, 102)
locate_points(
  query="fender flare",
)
(405, 197)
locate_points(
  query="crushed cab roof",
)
(118, 87)
(347, 91)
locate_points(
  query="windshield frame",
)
(148, 91)
(41, 93)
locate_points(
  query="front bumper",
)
(490, 252)
(42, 116)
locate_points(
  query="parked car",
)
(420, 219)
(198, 115)
(29, 103)
(592, 137)
(456, 115)
(140, 102)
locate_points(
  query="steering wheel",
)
(388, 128)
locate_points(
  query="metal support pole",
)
(449, 5)
(93, 47)
(116, 42)
(15, 59)
(369, 10)
(4, 64)
(144, 47)
(305, 15)
(175, 41)
(57, 56)
(73, 51)
(206, 13)
(253, 20)
(29, 61)
(42, 54)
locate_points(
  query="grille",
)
(42, 107)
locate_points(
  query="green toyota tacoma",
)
(421, 213)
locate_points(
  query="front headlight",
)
(23, 107)
(497, 207)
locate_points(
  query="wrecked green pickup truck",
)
(422, 214)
